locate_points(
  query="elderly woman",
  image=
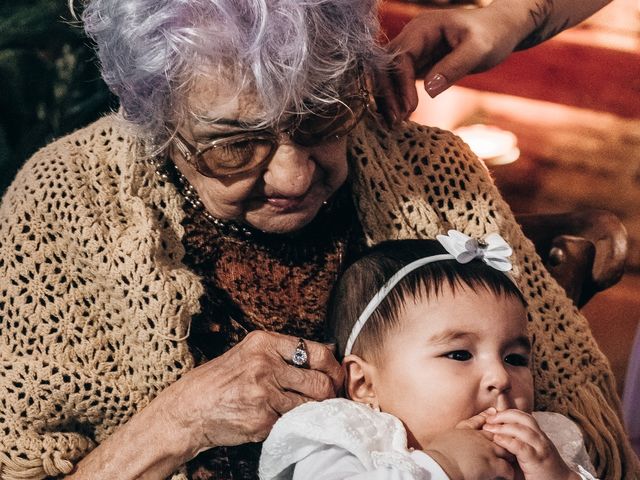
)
(159, 275)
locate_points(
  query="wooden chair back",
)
(584, 251)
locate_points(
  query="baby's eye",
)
(517, 360)
(459, 355)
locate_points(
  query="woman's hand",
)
(237, 397)
(448, 44)
(232, 399)
(455, 42)
(519, 433)
(452, 43)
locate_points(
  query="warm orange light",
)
(493, 145)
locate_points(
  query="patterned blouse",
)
(270, 282)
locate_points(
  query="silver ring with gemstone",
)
(300, 356)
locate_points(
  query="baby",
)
(433, 336)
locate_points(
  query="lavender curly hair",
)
(290, 52)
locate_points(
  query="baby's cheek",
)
(524, 405)
(524, 399)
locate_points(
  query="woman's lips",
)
(286, 204)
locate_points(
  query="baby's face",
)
(453, 357)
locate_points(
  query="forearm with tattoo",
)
(544, 29)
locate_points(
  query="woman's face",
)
(281, 196)
(453, 357)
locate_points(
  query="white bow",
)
(492, 250)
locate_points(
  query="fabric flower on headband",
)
(492, 250)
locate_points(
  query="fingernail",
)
(408, 107)
(436, 85)
(405, 105)
(489, 413)
(393, 119)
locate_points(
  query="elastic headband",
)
(492, 250)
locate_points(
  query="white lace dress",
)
(339, 439)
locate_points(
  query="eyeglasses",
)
(242, 153)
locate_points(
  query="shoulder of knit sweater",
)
(99, 145)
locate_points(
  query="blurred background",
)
(49, 82)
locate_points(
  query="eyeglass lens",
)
(234, 157)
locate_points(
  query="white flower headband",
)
(492, 250)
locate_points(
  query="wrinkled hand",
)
(448, 45)
(519, 433)
(467, 453)
(237, 397)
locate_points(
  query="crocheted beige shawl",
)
(95, 303)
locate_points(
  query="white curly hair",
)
(291, 53)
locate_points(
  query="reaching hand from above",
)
(446, 45)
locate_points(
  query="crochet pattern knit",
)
(95, 302)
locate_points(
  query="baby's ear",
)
(360, 380)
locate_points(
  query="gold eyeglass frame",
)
(192, 154)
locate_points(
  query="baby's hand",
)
(468, 453)
(477, 421)
(519, 433)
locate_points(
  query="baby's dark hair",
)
(362, 280)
